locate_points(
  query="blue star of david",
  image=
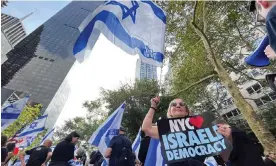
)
(125, 10)
(33, 125)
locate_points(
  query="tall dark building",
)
(38, 65)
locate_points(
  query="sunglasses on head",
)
(174, 104)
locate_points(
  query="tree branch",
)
(248, 46)
(193, 84)
(248, 98)
(195, 6)
(241, 72)
(204, 18)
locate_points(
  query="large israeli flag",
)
(49, 135)
(12, 111)
(110, 128)
(35, 127)
(136, 144)
(137, 27)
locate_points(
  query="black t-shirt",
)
(38, 155)
(244, 151)
(269, 162)
(4, 154)
(117, 143)
(64, 152)
(144, 146)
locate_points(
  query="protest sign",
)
(191, 137)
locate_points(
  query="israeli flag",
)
(136, 144)
(35, 127)
(110, 128)
(49, 135)
(12, 111)
(154, 156)
(137, 27)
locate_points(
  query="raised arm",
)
(147, 127)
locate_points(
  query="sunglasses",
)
(174, 104)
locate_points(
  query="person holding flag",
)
(106, 131)
(39, 156)
(119, 151)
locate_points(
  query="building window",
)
(236, 112)
(254, 88)
(255, 73)
(266, 99)
(258, 102)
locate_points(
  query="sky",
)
(85, 79)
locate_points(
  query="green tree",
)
(207, 39)
(29, 114)
(85, 126)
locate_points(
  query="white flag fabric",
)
(110, 128)
(49, 135)
(12, 111)
(210, 161)
(137, 27)
(136, 144)
(35, 127)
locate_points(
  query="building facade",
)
(12, 32)
(145, 71)
(39, 64)
(258, 95)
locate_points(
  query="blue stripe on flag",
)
(157, 10)
(137, 143)
(32, 131)
(152, 155)
(46, 136)
(114, 25)
(103, 130)
(9, 115)
(41, 117)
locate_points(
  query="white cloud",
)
(105, 67)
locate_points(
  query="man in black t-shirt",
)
(4, 150)
(118, 149)
(39, 156)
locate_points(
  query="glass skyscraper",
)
(12, 32)
(38, 65)
(145, 71)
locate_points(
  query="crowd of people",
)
(120, 153)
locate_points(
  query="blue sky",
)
(45, 10)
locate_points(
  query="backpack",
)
(126, 157)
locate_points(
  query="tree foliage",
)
(137, 97)
(210, 37)
(29, 114)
